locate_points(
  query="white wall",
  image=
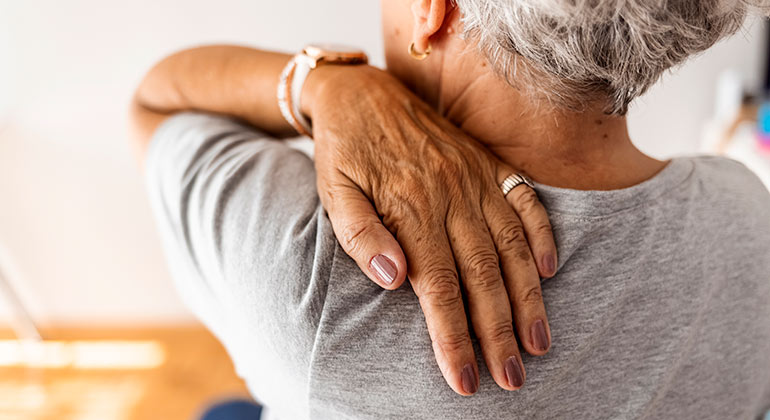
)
(668, 120)
(74, 220)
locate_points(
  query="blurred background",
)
(82, 275)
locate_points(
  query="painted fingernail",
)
(513, 372)
(469, 379)
(383, 268)
(539, 336)
(549, 263)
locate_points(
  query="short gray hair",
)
(579, 51)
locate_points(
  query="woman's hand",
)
(385, 157)
(435, 188)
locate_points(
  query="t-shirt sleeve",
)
(248, 244)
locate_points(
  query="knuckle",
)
(353, 233)
(484, 271)
(453, 342)
(531, 295)
(499, 333)
(528, 201)
(511, 237)
(544, 229)
(441, 289)
(410, 226)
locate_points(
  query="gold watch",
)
(299, 67)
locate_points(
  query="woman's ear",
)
(429, 17)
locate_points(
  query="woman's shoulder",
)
(723, 178)
(728, 172)
(726, 192)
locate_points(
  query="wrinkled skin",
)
(392, 171)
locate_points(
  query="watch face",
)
(335, 48)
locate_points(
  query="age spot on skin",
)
(599, 122)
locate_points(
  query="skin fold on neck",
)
(586, 150)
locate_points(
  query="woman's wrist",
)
(318, 79)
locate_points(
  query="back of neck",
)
(586, 150)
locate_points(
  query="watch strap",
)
(304, 65)
(296, 72)
(290, 94)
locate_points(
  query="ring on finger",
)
(514, 180)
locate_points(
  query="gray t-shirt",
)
(660, 308)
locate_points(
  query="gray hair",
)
(576, 52)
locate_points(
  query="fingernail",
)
(469, 379)
(539, 336)
(549, 263)
(513, 372)
(383, 268)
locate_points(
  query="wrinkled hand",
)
(436, 190)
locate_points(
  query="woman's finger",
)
(520, 274)
(361, 233)
(537, 226)
(488, 303)
(434, 279)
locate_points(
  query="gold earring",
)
(416, 55)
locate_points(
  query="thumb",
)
(363, 236)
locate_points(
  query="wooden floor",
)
(195, 373)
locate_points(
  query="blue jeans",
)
(233, 410)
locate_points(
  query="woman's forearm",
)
(235, 81)
(230, 80)
(399, 182)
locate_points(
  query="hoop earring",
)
(418, 56)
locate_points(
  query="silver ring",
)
(513, 181)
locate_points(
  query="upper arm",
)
(222, 79)
(247, 240)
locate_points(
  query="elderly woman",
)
(661, 304)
